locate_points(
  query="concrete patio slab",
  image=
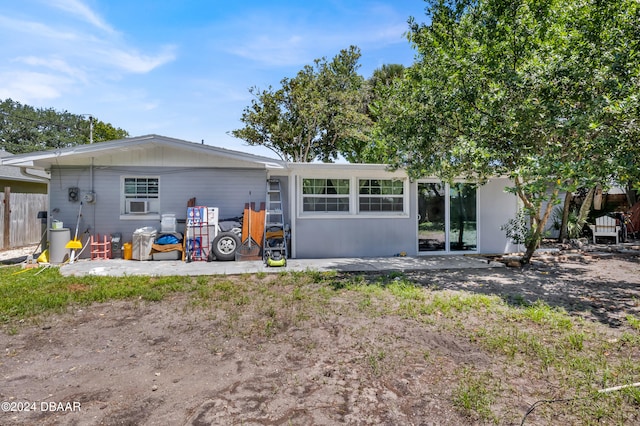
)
(117, 267)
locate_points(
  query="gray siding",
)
(226, 189)
(357, 236)
(230, 189)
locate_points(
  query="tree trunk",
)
(531, 246)
(564, 232)
(538, 228)
(632, 196)
(461, 218)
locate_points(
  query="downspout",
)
(91, 172)
(92, 195)
(91, 176)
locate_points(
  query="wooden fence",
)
(19, 212)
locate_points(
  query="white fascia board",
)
(17, 162)
(345, 168)
(94, 150)
(31, 159)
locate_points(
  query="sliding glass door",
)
(431, 216)
(447, 217)
(462, 217)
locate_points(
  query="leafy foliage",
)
(378, 87)
(517, 229)
(317, 115)
(544, 92)
(26, 129)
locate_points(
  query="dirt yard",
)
(176, 362)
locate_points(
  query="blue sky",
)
(182, 68)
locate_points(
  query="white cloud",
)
(134, 62)
(75, 49)
(78, 8)
(34, 30)
(32, 87)
(51, 56)
(392, 34)
(273, 50)
(208, 89)
(280, 39)
(130, 99)
(55, 64)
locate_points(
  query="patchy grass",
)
(535, 351)
(28, 293)
(633, 322)
(475, 393)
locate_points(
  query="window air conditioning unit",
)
(138, 206)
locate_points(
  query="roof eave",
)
(43, 159)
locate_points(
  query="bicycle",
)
(626, 227)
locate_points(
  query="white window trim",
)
(404, 197)
(354, 195)
(128, 216)
(330, 196)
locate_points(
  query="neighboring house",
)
(334, 210)
(26, 191)
(22, 181)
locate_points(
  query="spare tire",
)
(225, 245)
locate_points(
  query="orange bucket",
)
(128, 252)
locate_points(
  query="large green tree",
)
(319, 114)
(24, 128)
(541, 91)
(103, 132)
(377, 88)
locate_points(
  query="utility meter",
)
(89, 197)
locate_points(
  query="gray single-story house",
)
(333, 210)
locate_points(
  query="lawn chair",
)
(605, 227)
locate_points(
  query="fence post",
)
(7, 217)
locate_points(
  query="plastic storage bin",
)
(143, 243)
(168, 223)
(168, 255)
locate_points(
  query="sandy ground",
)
(19, 254)
(170, 363)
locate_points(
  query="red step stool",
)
(100, 250)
